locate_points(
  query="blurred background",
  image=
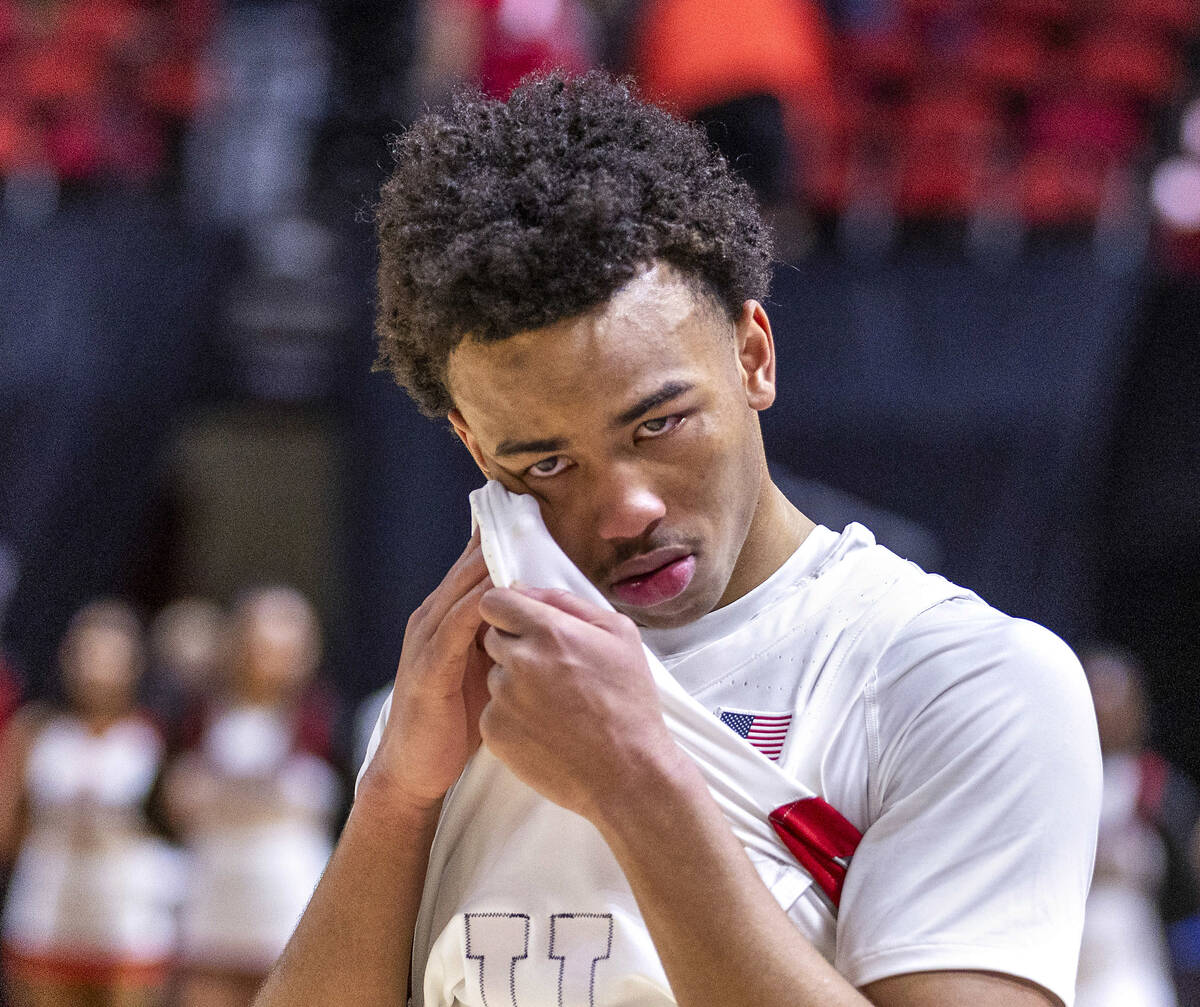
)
(987, 311)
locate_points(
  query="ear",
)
(468, 438)
(756, 355)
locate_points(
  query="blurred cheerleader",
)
(255, 802)
(89, 917)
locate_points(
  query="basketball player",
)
(576, 281)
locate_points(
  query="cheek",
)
(727, 484)
(567, 525)
(720, 461)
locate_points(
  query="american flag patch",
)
(765, 731)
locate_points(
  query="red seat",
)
(951, 141)
(1057, 189)
(950, 187)
(1178, 16)
(952, 115)
(845, 128)
(923, 9)
(1033, 13)
(1074, 120)
(101, 25)
(55, 72)
(20, 144)
(11, 23)
(884, 58)
(75, 145)
(174, 86)
(1006, 59)
(1125, 63)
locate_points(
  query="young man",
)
(576, 281)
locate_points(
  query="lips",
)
(654, 578)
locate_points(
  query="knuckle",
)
(623, 626)
(555, 636)
(418, 616)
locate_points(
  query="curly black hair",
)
(506, 216)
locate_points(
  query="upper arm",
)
(979, 851)
(952, 989)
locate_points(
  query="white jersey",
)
(966, 753)
(969, 760)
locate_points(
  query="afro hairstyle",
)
(501, 217)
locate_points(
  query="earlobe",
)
(464, 434)
(756, 355)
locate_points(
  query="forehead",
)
(657, 328)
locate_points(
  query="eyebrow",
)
(505, 448)
(670, 390)
(547, 445)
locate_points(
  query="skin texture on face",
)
(636, 427)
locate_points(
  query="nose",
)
(626, 507)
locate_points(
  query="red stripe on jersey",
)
(820, 838)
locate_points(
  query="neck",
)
(776, 531)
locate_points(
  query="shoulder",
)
(985, 789)
(964, 654)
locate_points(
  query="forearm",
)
(354, 941)
(720, 934)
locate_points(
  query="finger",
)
(501, 646)
(455, 634)
(463, 577)
(566, 601)
(516, 613)
(468, 562)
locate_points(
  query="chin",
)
(671, 614)
(648, 621)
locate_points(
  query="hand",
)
(574, 711)
(441, 687)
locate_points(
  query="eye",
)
(660, 425)
(547, 467)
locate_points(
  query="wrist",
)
(664, 785)
(381, 803)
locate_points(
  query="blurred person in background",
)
(1142, 878)
(187, 653)
(254, 802)
(755, 74)
(89, 917)
(494, 43)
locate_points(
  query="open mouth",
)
(658, 585)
